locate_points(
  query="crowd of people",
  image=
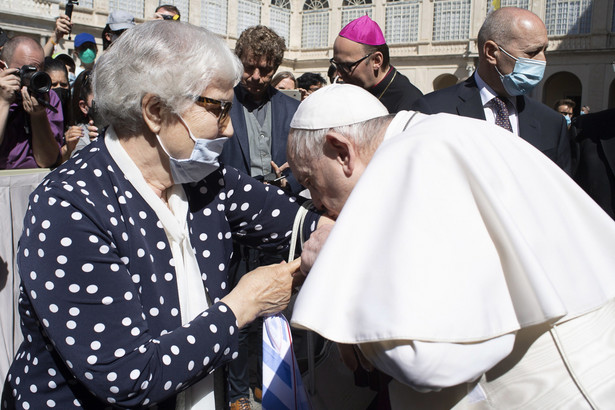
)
(452, 251)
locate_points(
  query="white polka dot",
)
(114, 267)
(206, 211)
(91, 289)
(140, 253)
(53, 308)
(166, 359)
(104, 249)
(222, 308)
(142, 215)
(70, 340)
(128, 295)
(99, 327)
(247, 188)
(134, 375)
(154, 311)
(107, 300)
(221, 267)
(45, 224)
(73, 311)
(113, 221)
(87, 267)
(206, 253)
(49, 285)
(26, 405)
(74, 288)
(71, 324)
(33, 275)
(41, 253)
(258, 227)
(126, 321)
(98, 173)
(51, 372)
(191, 339)
(51, 201)
(234, 355)
(42, 237)
(93, 239)
(135, 331)
(206, 361)
(112, 376)
(114, 390)
(168, 385)
(119, 353)
(76, 216)
(231, 330)
(66, 241)
(95, 345)
(227, 351)
(92, 359)
(245, 206)
(33, 388)
(216, 348)
(213, 328)
(62, 259)
(89, 376)
(175, 350)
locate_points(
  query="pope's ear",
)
(343, 150)
(151, 109)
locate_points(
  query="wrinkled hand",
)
(262, 292)
(9, 85)
(63, 27)
(312, 247)
(352, 357)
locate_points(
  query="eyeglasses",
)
(218, 108)
(347, 68)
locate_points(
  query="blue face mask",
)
(568, 120)
(524, 77)
(202, 162)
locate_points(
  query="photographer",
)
(30, 133)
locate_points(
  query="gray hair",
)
(366, 135)
(175, 62)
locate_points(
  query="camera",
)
(37, 82)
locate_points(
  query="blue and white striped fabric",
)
(282, 384)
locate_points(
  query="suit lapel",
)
(470, 104)
(241, 131)
(529, 126)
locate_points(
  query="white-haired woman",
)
(124, 298)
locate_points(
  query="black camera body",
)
(37, 82)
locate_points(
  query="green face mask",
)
(87, 56)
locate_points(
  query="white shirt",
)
(486, 95)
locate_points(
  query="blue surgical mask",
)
(526, 74)
(202, 162)
(568, 120)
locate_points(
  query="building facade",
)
(433, 42)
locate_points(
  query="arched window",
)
(315, 25)
(568, 17)
(249, 14)
(134, 7)
(353, 9)
(451, 20)
(402, 21)
(280, 18)
(213, 15)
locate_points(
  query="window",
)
(182, 5)
(315, 25)
(134, 7)
(402, 21)
(353, 9)
(568, 17)
(451, 20)
(213, 15)
(522, 4)
(280, 18)
(249, 15)
(89, 4)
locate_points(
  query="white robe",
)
(469, 234)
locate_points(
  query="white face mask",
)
(202, 162)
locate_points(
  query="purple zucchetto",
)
(363, 30)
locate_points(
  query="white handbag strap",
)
(298, 228)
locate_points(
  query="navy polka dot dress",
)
(99, 302)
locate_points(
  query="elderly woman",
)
(124, 297)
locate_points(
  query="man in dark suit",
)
(595, 170)
(261, 121)
(511, 54)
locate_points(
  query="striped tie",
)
(502, 117)
(282, 385)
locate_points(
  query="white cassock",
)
(479, 272)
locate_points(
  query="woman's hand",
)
(262, 292)
(92, 130)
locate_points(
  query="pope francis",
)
(463, 263)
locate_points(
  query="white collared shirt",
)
(486, 95)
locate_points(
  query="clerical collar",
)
(379, 89)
